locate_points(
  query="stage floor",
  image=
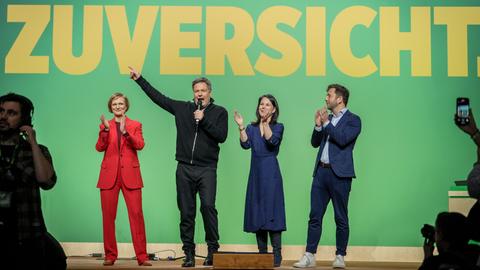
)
(81, 263)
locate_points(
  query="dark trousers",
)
(473, 222)
(190, 181)
(42, 253)
(275, 239)
(327, 186)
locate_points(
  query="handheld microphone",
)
(199, 107)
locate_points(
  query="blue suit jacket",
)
(342, 140)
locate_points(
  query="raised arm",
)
(244, 142)
(156, 96)
(317, 134)
(42, 161)
(102, 141)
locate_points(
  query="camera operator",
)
(451, 237)
(25, 168)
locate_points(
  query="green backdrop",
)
(407, 156)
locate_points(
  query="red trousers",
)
(133, 199)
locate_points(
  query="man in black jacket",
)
(201, 127)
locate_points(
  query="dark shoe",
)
(108, 262)
(277, 258)
(208, 261)
(189, 260)
(188, 263)
(145, 263)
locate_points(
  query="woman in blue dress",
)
(264, 204)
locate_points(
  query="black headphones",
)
(27, 110)
(28, 116)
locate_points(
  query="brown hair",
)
(202, 80)
(115, 96)
(340, 91)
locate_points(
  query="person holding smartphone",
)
(469, 126)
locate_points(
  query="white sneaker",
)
(307, 261)
(339, 262)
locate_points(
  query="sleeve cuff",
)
(141, 81)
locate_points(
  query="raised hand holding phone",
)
(463, 111)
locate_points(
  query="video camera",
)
(428, 231)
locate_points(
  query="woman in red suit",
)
(120, 138)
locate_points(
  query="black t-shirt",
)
(7, 187)
(7, 174)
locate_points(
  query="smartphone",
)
(463, 107)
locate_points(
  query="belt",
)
(325, 165)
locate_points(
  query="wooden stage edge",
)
(289, 252)
(89, 263)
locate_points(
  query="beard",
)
(9, 133)
(331, 105)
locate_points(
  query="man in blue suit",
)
(336, 135)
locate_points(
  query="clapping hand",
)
(238, 119)
(104, 122)
(321, 116)
(266, 119)
(122, 125)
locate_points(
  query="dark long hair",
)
(275, 115)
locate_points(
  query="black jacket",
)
(212, 129)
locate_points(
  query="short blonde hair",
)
(115, 96)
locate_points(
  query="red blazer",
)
(125, 157)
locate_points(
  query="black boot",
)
(189, 260)
(276, 239)
(209, 259)
(262, 238)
